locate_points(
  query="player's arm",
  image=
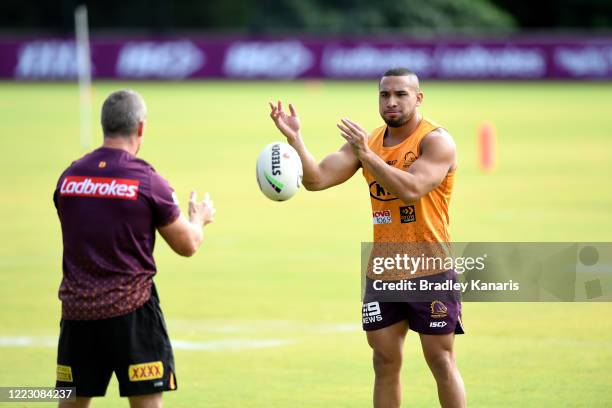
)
(437, 158)
(334, 169)
(185, 234)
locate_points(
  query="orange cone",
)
(487, 146)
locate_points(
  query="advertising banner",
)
(197, 57)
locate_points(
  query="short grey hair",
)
(122, 111)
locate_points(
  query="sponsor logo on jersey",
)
(146, 371)
(370, 312)
(392, 162)
(409, 158)
(381, 217)
(407, 214)
(64, 373)
(101, 187)
(377, 192)
(438, 310)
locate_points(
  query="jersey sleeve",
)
(57, 189)
(165, 205)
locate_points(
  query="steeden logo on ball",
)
(279, 171)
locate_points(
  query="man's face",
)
(398, 99)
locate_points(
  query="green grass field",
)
(267, 314)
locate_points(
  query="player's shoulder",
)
(75, 165)
(376, 134)
(142, 164)
(135, 165)
(378, 131)
(440, 140)
(82, 159)
(154, 180)
(438, 134)
(153, 184)
(154, 177)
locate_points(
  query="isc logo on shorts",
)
(146, 371)
(381, 217)
(438, 325)
(370, 312)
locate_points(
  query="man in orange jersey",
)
(409, 166)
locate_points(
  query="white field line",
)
(261, 326)
(210, 345)
(246, 328)
(229, 344)
(28, 341)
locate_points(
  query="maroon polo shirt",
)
(109, 204)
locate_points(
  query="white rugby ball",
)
(279, 171)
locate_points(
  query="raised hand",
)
(202, 212)
(289, 125)
(356, 137)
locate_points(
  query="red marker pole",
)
(486, 146)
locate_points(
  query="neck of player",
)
(402, 132)
(129, 144)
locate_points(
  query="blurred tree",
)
(310, 16)
(562, 14)
(366, 16)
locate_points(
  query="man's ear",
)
(419, 97)
(141, 126)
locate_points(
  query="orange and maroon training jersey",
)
(422, 221)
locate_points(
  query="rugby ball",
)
(279, 171)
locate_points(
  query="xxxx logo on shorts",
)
(146, 371)
(64, 373)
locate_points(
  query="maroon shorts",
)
(436, 317)
(426, 313)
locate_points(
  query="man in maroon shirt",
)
(110, 204)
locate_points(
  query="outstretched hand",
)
(201, 212)
(356, 137)
(289, 125)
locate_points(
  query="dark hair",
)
(122, 111)
(399, 72)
